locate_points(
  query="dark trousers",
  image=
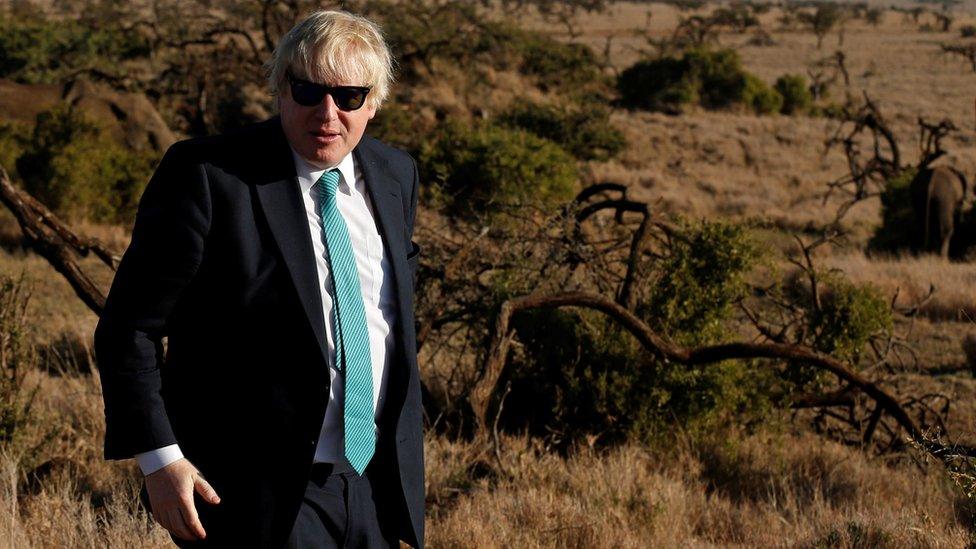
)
(341, 510)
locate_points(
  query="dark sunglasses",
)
(310, 94)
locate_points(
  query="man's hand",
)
(171, 497)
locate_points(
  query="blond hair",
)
(333, 47)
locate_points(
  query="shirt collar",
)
(308, 174)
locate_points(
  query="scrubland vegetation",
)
(671, 290)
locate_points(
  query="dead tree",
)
(700, 30)
(944, 20)
(823, 19)
(604, 229)
(966, 51)
(839, 60)
(55, 242)
(869, 171)
(824, 73)
(867, 174)
(911, 420)
(930, 140)
(481, 395)
(820, 81)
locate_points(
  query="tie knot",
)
(329, 182)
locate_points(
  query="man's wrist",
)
(154, 460)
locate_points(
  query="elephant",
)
(937, 196)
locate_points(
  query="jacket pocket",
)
(412, 259)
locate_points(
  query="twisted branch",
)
(56, 243)
(652, 342)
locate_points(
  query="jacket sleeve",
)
(166, 250)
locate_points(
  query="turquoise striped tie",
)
(351, 336)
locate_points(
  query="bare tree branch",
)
(50, 238)
(494, 366)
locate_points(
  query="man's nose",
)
(327, 108)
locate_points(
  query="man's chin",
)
(324, 158)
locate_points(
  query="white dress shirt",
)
(376, 284)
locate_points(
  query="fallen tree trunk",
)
(484, 389)
(55, 242)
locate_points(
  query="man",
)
(278, 262)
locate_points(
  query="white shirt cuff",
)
(154, 460)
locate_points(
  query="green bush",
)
(476, 167)
(585, 133)
(874, 16)
(714, 79)
(423, 33)
(75, 169)
(696, 285)
(420, 32)
(849, 315)
(663, 84)
(13, 139)
(580, 373)
(556, 63)
(723, 80)
(897, 229)
(797, 98)
(400, 126)
(33, 49)
(761, 98)
(579, 368)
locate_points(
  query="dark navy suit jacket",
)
(221, 265)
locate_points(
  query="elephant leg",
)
(933, 230)
(946, 227)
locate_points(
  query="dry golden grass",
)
(731, 165)
(796, 490)
(55, 488)
(790, 490)
(740, 165)
(772, 489)
(910, 278)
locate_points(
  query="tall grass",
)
(763, 490)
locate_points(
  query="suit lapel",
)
(281, 200)
(384, 191)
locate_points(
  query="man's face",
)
(323, 135)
